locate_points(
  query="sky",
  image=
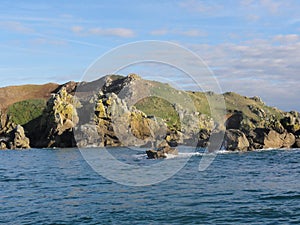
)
(251, 46)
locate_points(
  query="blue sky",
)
(253, 47)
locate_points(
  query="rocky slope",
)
(130, 111)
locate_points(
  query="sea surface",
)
(58, 186)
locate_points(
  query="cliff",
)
(130, 111)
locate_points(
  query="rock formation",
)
(58, 120)
(130, 111)
(235, 140)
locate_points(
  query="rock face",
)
(110, 112)
(267, 138)
(16, 139)
(234, 120)
(117, 124)
(59, 119)
(235, 140)
(19, 138)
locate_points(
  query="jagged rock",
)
(119, 124)
(59, 119)
(277, 126)
(19, 140)
(6, 124)
(204, 135)
(15, 139)
(162, 152)
(267, 138)
(234, 120)
(291, 122)
(174, 138)
(235, 140)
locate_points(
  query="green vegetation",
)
(161, 108)
(26, 111)
(201, 103)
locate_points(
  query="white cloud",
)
(117, 32)
(16, 26)
(286, 39)
(258, 67)
(77, 29)
(188, 33)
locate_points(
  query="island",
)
(130, 111)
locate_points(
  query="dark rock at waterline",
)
(161, 153)
(297, 143)
(268, 138)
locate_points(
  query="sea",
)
(63, 186)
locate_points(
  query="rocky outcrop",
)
(19, 139)
(263, 138)
(58, 121)
(234, 120)
(113, 114)
(162, 152)
(235, 140)
(291, 122)
(117, 124)
(16, 139)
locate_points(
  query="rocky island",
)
(130, 111)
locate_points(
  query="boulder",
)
(268, 138)
(161, 153)
(235, 140)
(297, 143)
(273, 139)
(288, 140)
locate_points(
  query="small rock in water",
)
(161, 152)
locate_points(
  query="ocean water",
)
(45, 186)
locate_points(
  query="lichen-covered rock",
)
(291, 122)
(59, 119)
(15, 139)
(119, 124)
(19, 139)
(6, 123)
